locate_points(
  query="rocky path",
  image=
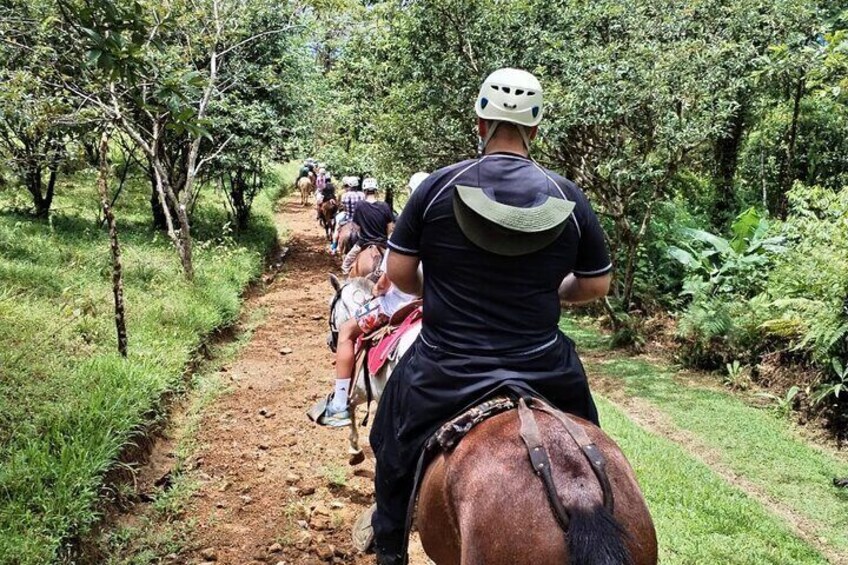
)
(273, 487)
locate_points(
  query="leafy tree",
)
(36, 115)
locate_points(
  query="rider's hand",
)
(382, 286)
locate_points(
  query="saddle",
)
(385, 340)
(374, 350)
(449, 435)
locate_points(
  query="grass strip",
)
(752, 442)
(69, 404)
(700, 518)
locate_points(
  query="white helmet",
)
(511, 95)
(416, 180)
(322, 170)
(369, 185)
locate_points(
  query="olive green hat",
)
(509, 230)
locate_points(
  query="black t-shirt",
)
(373, 219)
(328, 192)
(477, 302)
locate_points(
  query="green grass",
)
(161, 528)
(752, 442)
(699, 518)
(68, 403)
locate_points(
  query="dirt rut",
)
(275, 488)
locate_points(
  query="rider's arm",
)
(403, 261)
(403, 271)
(592, 272)
(579, 290)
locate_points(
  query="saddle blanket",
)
(381, 351)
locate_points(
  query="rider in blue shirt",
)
(503, 242)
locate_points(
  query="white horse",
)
(348, 298)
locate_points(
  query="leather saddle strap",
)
(596, 459)
(540, 460)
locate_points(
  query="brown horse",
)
(367, 262)
(305, 186)
(348, 234)
(327, 216)
(482, 503)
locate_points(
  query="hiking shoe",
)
(333, 419)
(363, 532)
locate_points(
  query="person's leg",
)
(392, 493)
(350, 259)
(395, 463)
(345, 361)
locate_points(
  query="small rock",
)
(220, 505)
(275, 548)
(320, 523)
(209, 554)
(264, 446)
(317, 316)
(325, 552)
(302, 524)
(263, 411)
(260, 467)
(292, 479)
(336, 505)
(321, 510)
(246, 499)
(286, 350)
(172, 557)
(306, 490)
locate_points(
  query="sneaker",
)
(363, 532)
(335, 419)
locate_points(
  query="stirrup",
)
(363, 531)
(319, 408)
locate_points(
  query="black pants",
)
(430, 386)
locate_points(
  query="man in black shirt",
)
(503, 241)
(375, 220)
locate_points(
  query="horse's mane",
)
(361, 283)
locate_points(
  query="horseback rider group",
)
(504, 242)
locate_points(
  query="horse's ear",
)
(334, 280)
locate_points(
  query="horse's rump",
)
(348, 236)
(368, 261)
(304, 185)
(483, 503)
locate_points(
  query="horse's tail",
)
(596, 538)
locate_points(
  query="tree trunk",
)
(156, 207)
(390, 197)
(33, 184)
(788, 166)
(117, 269)
(727, 159)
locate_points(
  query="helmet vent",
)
(531, 94)
(505, 89)
(495, 87)
(519, 92)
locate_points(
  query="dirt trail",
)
(274, 488)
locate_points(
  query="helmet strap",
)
(493, 126)
(490, 133)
